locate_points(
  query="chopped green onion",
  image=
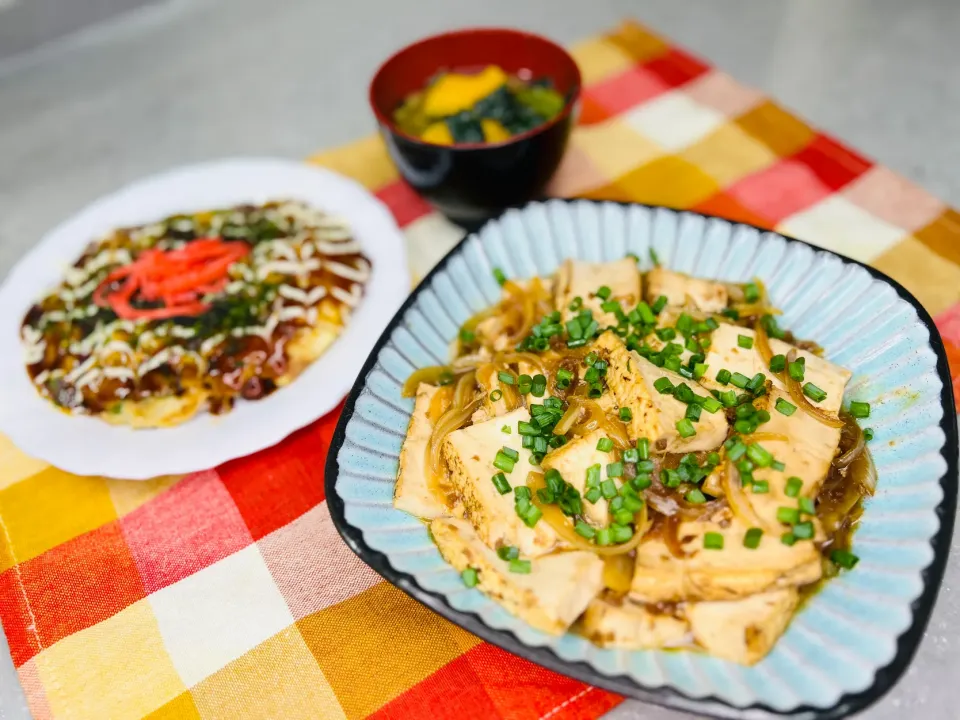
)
(778, 363)
(603, 292)
(503, 462)
(499, 276)
(654, 258)
(604, 537)
(695, 496)
(739, 380)
(844, 558)
(643, 448)
(868, 434)
(736, 450)
(510, 453)
(527, 428)
(575, 304)
(659, 304)
(723, 377)
(711, 405)
(604, 444)
(673, 363)
(788, 538)
(506, 377)
(663, 385)
(631, 455)
(728, 398)
(751, 538)
(744, 427)
(807, 506)
(693, 412)
(792, 489)
(685, 428)
(795, 370)
(785, 407)
(631, 502)
(615, 470)
(684, 394)
(593, 475)
(593, 494)
(505, 429)
(666, 334)
(803, 531)
(778, 466)
(760, 487)
(610, 306)
(756, 382)
(469, 576)
(608, 488)
(788, 515)
(751, 293)
(620, 533)
(539, 385)
(496, 395)
(521, 567)
(626, 414)
(860, 409)
(814, 393)
(699, 370)
(760, 456)
(500, 483)
(467, 336)
(531, 516)
(623, 517)
(745, 341)
(641, 482)
(508, 552)
(646, 314)
(584, 530)
(713, 541)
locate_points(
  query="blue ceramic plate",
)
(855, 638)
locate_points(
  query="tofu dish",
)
(646, 459)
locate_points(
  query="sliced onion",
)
(433, 375)
(597, 418)
(511, 358)
(768, 437)
(859, 445)
(865, 471)
(739, 501)
(568, 420)
(618, 572)
(466, 387)
(562, 525)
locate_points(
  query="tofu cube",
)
(742, 631)
(631, 379)
(413, 493)
(551, 597)
(583, 279)
(468, 454)
(612, 624)
(685, 291)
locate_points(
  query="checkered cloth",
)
(228, 594)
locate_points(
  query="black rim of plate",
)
(886, 677)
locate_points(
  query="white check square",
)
(837, 224)
(674, 120)
(216, 615)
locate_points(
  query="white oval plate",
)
(87, 446)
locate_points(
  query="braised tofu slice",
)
(686, 291)
(732, 572)
(550, 597)
(611, 624)
(726, 354)
(572, 462)
(583, 280)
(469, 454)
(742, 631)
(631, 380)
(413, 493)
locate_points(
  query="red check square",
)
(404, 202)
(80, 583)
(279, 484)
(184, 530)
(780, 190)
(624, 91)
(676, 68)
(834, 164)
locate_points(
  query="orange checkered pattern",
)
(227, 593)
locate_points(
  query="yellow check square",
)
(615, 148)
(728, 154)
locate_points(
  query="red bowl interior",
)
(515, 51)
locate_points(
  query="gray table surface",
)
(188, 80)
